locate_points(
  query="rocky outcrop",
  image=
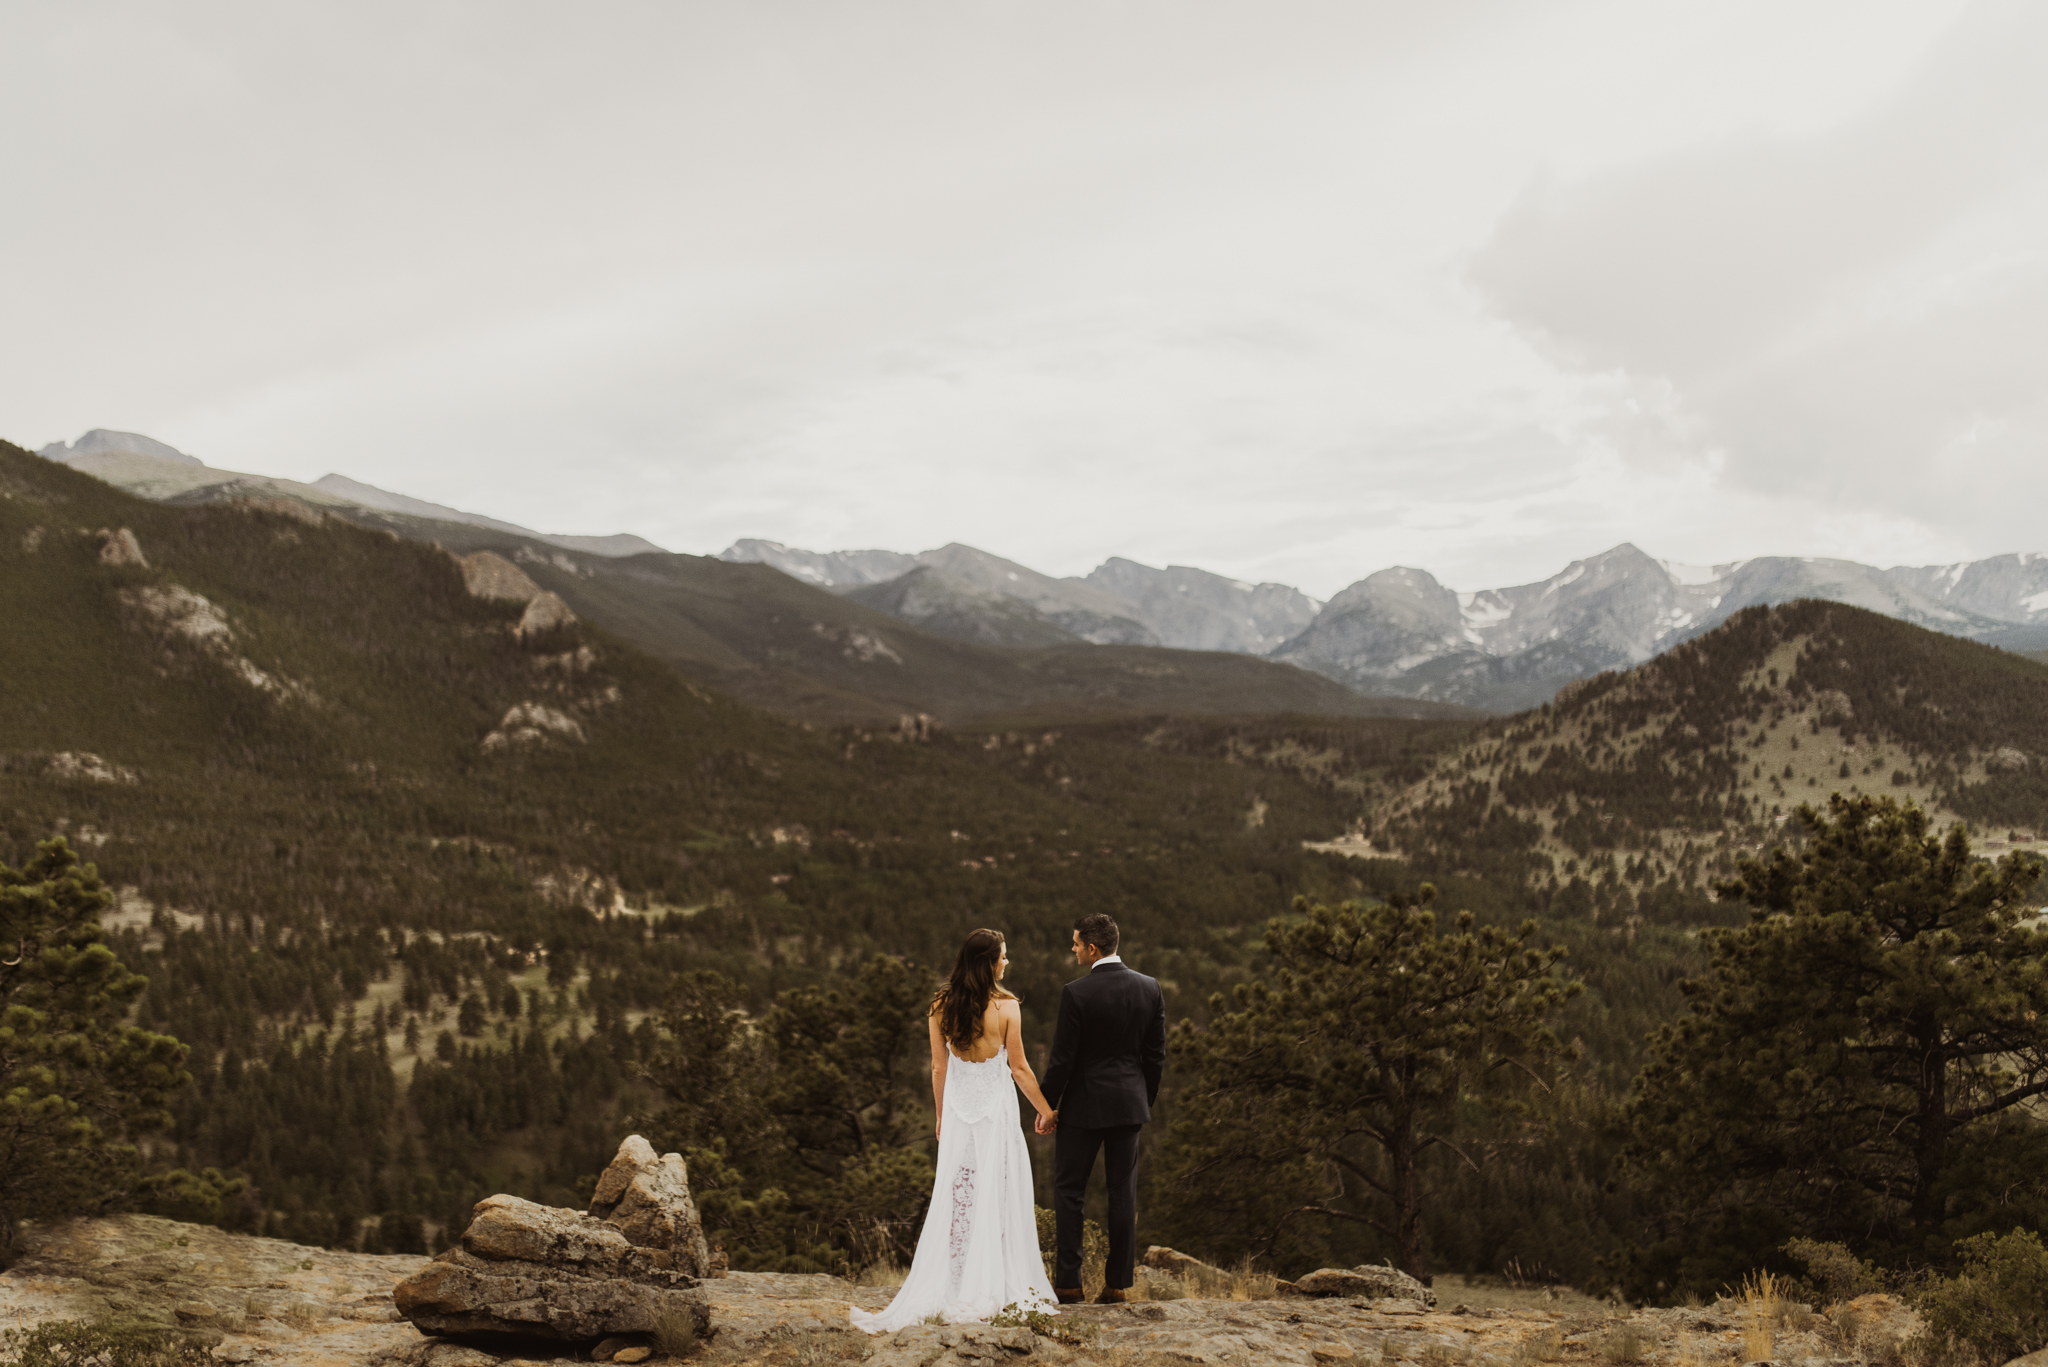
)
(250, 1299)
(532, 723)
(120, 548)
(486, 574)
(83, 764)
(527, 1271)
(544, 613)
(177, 612)
(629, 1265)
(647, 1199)
(1373, 1283)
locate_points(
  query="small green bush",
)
(1833, 1273)
(1997, 1305)
(72, 1343)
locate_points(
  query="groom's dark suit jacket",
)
(1108, 1050)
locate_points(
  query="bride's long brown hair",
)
(963, 1000)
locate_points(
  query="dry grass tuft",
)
(1763, 1305)
(675, 1335)
(884, 1274)
(1622, 1344)
(1249, 1284)
(1545, 1345)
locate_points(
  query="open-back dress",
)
(979, 1249)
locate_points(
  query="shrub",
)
(1998, 1304)
(1833, 1273)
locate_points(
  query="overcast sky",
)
(1286, 290)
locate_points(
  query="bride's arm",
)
(1027, 1081)
(940, 1054)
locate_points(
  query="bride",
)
(979, 1249)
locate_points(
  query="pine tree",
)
(77, 1084)
(1320, 1094)
(1875, 1032)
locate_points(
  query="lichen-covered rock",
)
(1373, 1283)
(531, 1271)
(507, 1229)
(647, 1199)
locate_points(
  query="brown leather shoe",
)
(1111, 1295)
(1069, 1295)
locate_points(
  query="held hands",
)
(1047, 1122)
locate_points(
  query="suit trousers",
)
(1073, 1158)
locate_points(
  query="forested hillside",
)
(441, 894)
(1636, 790)
(409, 882)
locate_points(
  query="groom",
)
(1107, 1054)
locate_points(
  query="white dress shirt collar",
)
(1105, 959)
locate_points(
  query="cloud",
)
(1853, 313)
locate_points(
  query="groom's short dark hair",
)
(1099, 929)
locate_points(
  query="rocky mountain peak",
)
(102, 441)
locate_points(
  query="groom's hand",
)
(1046, 1124)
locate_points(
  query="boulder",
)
(647, 1199)
(1193, 1276)
(530, 1271)
(1373, 1283)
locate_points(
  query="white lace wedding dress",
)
(979, 1249)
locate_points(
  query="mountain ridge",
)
(1400, 632)
(161, 473)
(1394, 633)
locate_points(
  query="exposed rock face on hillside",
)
(120, 548)
(544, 614)
(180, 614)
(532, 723)
(486, 574)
